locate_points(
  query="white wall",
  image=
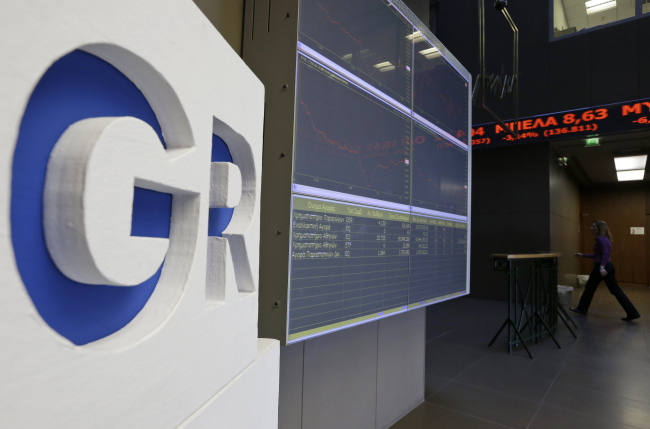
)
(559, 17)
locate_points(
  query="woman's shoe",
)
(630, 318)
(578, 310)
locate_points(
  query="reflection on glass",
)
(368, 38)
(440, 173)
(439, 91)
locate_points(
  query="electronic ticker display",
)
(380, 205)
(581, 123)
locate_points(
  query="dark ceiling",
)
(595, 165)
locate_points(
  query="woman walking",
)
(603, 270)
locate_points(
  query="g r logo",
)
(94, 167)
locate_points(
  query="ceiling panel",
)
(626, 11)
(569, 3)
(577, 11)
(602, 18)
(579, 23)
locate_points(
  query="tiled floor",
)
(599, 380)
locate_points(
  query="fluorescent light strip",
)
(600, 7)
(631, 162)
(628, 175)
(385, 66)
(592, 3)
(431, 53)
(417, 36)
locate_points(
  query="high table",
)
(533, 308)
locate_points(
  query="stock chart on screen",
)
(381, 168)
(332, 151)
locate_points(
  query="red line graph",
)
(425, 80)
(427, 179)
(369, 180)
(338, 24)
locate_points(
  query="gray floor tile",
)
(450, 350)
(549, 416)
(431, 416)
(598, 354)
(448, 360)
(609, 364)
(486, 404)
(631, 346)
(624, 382)
(433, 383)
(600, 405)
(504, 381)
(519, 364)
(599, 380)
(442, 366)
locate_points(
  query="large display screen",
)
(380, 168)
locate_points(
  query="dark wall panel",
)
(536, 88)
(564, 193)
(457, 29)
(534, 83)
(570, 73)
(614, 61)
(644, 56)
(510, 211)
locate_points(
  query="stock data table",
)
(438, 259)
(351, 263)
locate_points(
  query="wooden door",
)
(623, 207)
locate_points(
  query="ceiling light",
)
(630, 175)
(430, 53)
(416, 37)
(385, 66)
(593, 3)
(594, 6)
(631, 162)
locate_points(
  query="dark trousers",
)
(610, 280)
